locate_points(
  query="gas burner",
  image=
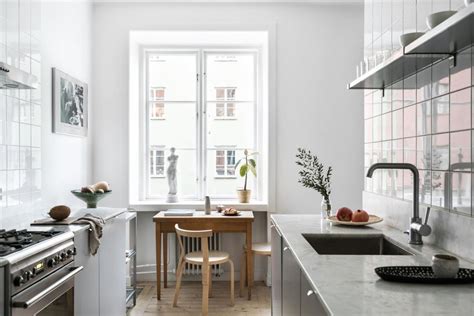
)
(4, 249)
(14, 240)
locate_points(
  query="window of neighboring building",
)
(157, 162)
(225, 109)
(225, 163)
(157, 106)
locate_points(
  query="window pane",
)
(220, 110)
(230, 109)
(175, 75)
(231, 76)
(157, 110)
(231, 162)
(220, 93)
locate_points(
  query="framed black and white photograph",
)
(69, 105)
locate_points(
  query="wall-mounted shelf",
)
(448, 38)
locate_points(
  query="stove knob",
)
(69, 253)
(63, 256)
(57, 258)
(18, 280)
(52, 262)
(27, 275)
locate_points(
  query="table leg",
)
(248, 241)
(165, 260)
(158, 260)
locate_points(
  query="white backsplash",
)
(451, 231)
(20, 113)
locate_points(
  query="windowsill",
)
(157, 177)
(160, 205)
(158, 118)
(225, 177)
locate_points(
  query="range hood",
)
(14, 78)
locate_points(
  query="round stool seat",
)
(262, 248)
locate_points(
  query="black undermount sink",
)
(326, 244)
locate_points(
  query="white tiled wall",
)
(386, 20)
(20, 110)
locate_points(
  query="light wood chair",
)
(261, 249)
(205, 259)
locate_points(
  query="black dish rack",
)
(422, 274)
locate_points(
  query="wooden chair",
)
(262, 249)
(205, 259)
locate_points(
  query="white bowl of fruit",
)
(345, 216)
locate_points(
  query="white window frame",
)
(225, 149)
(155, 149)
(153, 101)
(201, 112)
(225, 102)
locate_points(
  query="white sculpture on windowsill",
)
(172, 177)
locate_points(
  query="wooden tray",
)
(50, 221)
(372, 220)
(422, 274)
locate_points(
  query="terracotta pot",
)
(244, 195)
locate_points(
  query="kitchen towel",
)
(96, 224)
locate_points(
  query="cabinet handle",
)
(309, 293)
(285, 248)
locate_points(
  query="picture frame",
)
(70, 105)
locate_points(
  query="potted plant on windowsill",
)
(248, 164)
(312, 175)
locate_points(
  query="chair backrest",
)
(203, 234)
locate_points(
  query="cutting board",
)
(50, 221)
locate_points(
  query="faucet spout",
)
(415, 236)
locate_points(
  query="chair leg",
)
(210, 281)
(205, 290)
(231, 283)
(243, 273)
(178, 282)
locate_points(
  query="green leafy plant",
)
(248, 164)
(312, 174)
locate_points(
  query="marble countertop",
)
(348, 285)
(107, 213)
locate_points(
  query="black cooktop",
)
(15, 240)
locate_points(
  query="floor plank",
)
(189, 302)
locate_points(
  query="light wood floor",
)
(189, 302)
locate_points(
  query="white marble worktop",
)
(348, 285)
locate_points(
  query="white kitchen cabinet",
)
(112, 275)
(276, 272)
(86, 283)
(290, 283)
(310, 303)
(99, 290)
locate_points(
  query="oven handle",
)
(50, 288)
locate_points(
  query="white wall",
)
(317, 48)
(66, 45)
(60, 37)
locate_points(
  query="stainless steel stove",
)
(37, 272)
(15, 240)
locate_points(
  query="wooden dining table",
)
(218, 222)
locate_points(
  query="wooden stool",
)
(204, 258)
(262, 249)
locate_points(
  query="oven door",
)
(53, 295)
